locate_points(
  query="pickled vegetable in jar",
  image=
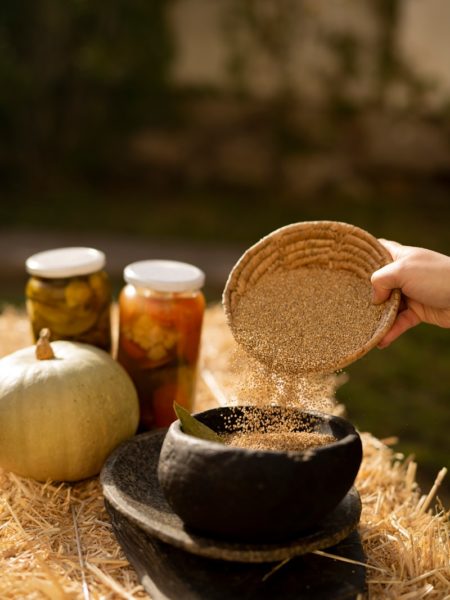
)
(70, 293)
(160, 320)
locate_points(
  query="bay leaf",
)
(193, 426)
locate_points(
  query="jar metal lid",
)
(65, 262)
(164, 275)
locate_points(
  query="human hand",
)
(423, 276)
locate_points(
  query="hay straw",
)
(111, 583)
(40, 548)
(346, 560)
(46, 553)
(425, 504)
(84, 584)
(275, 569)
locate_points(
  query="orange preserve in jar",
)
(160, 320)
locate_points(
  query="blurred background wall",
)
(190, 128)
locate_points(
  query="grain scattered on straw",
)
(404, 533)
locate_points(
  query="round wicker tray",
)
(319, 244)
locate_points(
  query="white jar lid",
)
(164, 275)
(65, 262)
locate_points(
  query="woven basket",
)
(322, 244)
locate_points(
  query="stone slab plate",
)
(168, 573)
(131, 488)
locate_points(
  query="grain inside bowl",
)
(278, 441)
(273, 429)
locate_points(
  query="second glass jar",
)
(160, 320)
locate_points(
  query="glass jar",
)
(160, 320)
(70, 293)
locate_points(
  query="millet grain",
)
(306, 320)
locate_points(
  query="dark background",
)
(189, 129)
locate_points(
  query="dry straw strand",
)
(85, 586)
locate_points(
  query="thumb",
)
(383, 281)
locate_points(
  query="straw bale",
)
(56, 540)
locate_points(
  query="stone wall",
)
(306, 96)
(312, 45)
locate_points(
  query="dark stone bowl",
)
(249, 495)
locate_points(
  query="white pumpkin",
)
(63, 413)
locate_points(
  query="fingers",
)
(388, 277)
(383, 281)
(394, 248)
(405, 320)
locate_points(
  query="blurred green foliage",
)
(76, 76)
(403, 391)
(415, 215)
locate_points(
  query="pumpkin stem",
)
(43, 348)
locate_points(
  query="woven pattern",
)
(320, 244)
